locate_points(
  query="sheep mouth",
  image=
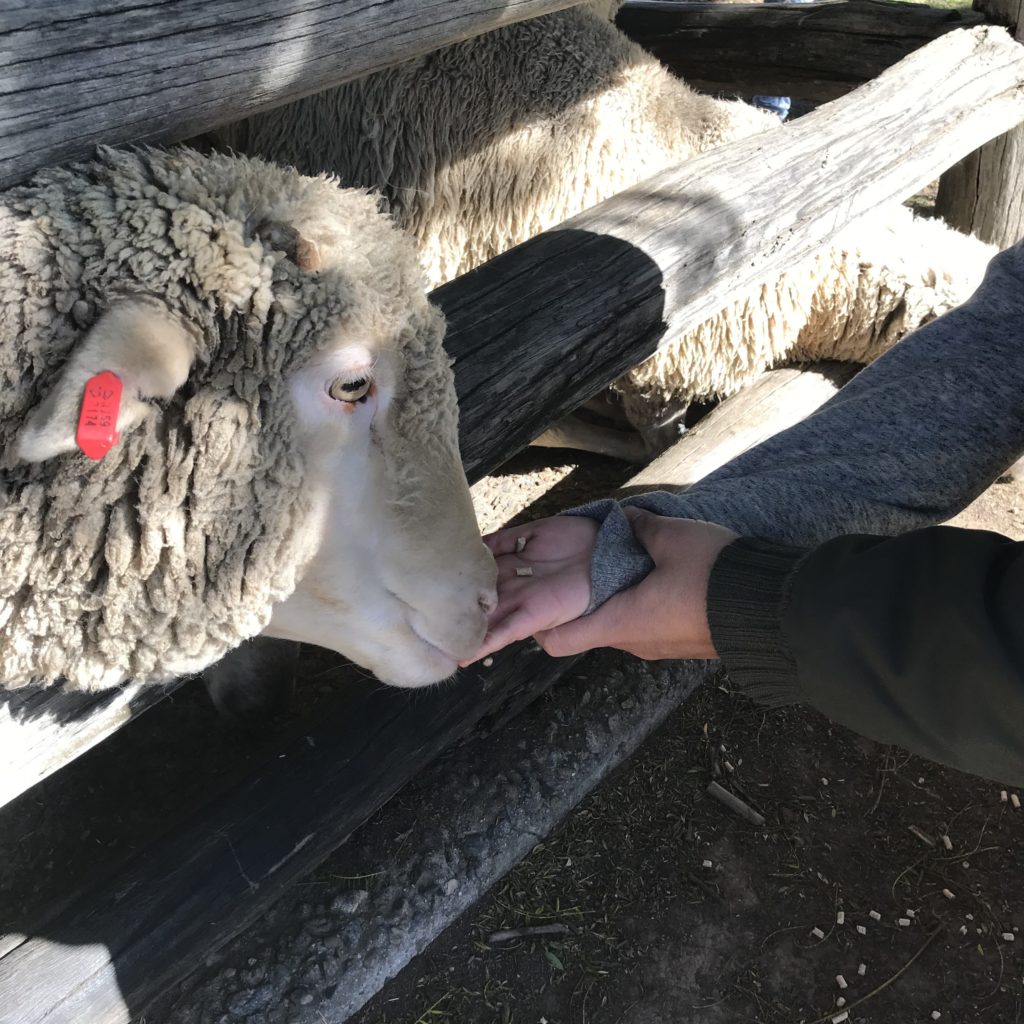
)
(448, 656)
(410, 616)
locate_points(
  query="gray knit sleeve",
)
(907, 443)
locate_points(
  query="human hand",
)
(663, 616)
(558, 551)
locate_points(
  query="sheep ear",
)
(286, 238)
(142, 344)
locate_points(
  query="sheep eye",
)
(350, 390)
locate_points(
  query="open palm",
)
(556, 554)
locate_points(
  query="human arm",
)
(916, 640)
(659, 618)
(907, 443)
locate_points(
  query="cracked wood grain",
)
(125, 71)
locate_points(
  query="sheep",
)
(878, 280)
(287, 461)
(485, 143)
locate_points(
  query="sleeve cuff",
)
(747, 596)
(618, 561)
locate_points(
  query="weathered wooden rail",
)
(815, 52)
(534, 332)
(108, 71)
(779, 399)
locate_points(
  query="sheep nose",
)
(488, 600)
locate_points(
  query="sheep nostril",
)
(488, 601)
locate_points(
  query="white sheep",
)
(878, 280)
(485, 143)
(288, 459)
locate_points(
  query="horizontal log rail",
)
(813, 52)
(534, 332)
(84, 72)
(607, 287)
(776, 401)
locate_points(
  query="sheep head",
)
(287, 457)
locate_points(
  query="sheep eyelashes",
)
(351, 391)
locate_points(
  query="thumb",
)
(647, 528)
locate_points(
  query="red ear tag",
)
(97, 422)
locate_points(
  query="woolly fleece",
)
(880, 279)
(171, 550)
(483, 144)
(480, 145)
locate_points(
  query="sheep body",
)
(486, 143)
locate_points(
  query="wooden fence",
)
(534, 333)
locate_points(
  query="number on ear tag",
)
(97, 422)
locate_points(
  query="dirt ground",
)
(672, 909)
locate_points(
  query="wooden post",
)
(984, 193)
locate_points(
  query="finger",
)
(510, 597)
(508, 603)
(508, 541)
(644, 524)
(652, 531)
(517, 625)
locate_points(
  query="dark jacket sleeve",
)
(916, 640)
